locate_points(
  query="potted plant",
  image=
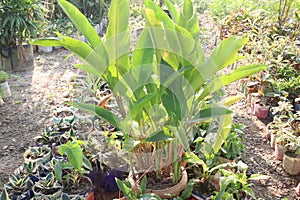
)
(20, 20)
(281, 141)
(291, 158)
(47, 188)
(40, 154)
(235, 184)
(233, 146)
(160, 87)
(4, 87)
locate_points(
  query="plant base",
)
(11, 61)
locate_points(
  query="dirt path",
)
(34, 94)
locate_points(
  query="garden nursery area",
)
(149, 99)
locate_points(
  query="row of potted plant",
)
(274, 43)
(284, 135)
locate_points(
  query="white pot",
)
(46, 49)
(5, 90)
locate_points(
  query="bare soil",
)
(37, 91)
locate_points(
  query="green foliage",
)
(20, 20)
(76, 159)
(235, 184)
(234, 144)
(162, 86)
(3, 76)
(4, 195)
(18, 183)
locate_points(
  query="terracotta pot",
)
(279, 152)
(261, 111)
(273, 140)
(173, 191)
(291, 165)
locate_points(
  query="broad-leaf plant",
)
(162, 86)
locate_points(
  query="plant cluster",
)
(163, 88)
(272, 42)
(20, 21)
(59, 165)
(3, 76)
(286, 126)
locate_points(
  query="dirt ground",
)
(35, 92)
(38, 90)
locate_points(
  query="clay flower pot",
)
(261, 111)
(173, 191)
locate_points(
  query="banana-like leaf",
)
(172, 10)
(214, 141)
(81, 23)
(117, 35)
(100, 112)
(229, 78)
(188, 19)
(142, 57)
(83, 50)
(209, 113)
(226, 53)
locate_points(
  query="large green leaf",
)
(189, 20)
(73, 152)
(100, 112)
(142, 57)
(81, 23)
(172, 10)
(226, 53)
(117, 35)
(239, 73)
(83, 50)
(209, 113)
(159, 136)
(214, 141)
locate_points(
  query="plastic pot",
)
(5, 90)
(290, 164)
(279, 151)
(261, 111)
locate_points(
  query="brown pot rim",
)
(171, 191)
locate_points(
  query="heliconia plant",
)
(162, 86)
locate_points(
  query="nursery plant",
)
(233, 146)
(161, 87)
(20, 21)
